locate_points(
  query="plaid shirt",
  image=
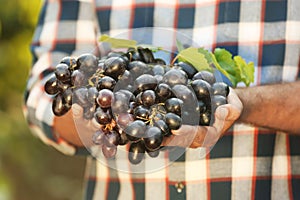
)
(247, 162)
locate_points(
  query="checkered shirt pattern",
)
(247, 162)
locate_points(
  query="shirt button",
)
(179, 186)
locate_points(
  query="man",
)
(247, 162)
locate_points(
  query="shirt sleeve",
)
(64, 28)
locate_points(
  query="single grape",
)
(105, 98)
(137, 68)
(136, 152)
(174, 77)
(123, 119)
(142, 113)
(109, 152)
(173, 121)
(174, 105)
(71, 62)
(62, 86)
(103, 116)
(202, 89)
(153, 138)
(145, 82)
(220, 88)
(112, 138)
(158, 70)
(106, 82)
(152, 154)
(68, 96)
(148, 98)
(87, 63)
(205, 118)
(78, 78)
(80, 96)
(146, 55)
(135, 130)
(98, 137)
(188, 69)
(161, 124)
(163, 92)
(59, 107)
(120, 103)
(205, 76)
(114, 67)
(62, 73)
(218, 100)
(51, 86)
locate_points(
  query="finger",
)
(77, 111)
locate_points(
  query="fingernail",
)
(223, 113)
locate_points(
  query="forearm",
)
(275, 106)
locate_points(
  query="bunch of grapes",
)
(136, 98)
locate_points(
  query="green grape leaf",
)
(118, 43)
(192, 56)
(246, 69)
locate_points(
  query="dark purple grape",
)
(109, 152)
(51, 86)
(124, 81)
(159, 61)
(202, 89)
(206, 76)
(133, 55)
(105, 98)
(205, 118)
(202, 107)
(62, 73)
(114, 67)
(218, 100)
(89, 111)
(88, 63)
(145, 82)
(146, 55)
(106, 82)
(188, 69)
(98, 137)
(175, 77)
(152, 154)
(138, 68)
(62, 86)
(70, 61)
(141, 113)
(135, 130)
(220, 88)
(158, 70)
(120, 103)
(59, 107)
(136, 152)
(163, 127)
(112, 138)
(78, 78)
(148, 98)
(174, 105)
(153, 138)
(123, 139)
(68, 96)
(173, 121)
(123, 119)
(92, 95)
(103, 116)
(163, 92)
(80, 96)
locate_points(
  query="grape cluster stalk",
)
(136, 98)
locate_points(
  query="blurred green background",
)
(28, 168)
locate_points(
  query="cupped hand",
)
(74, 128)
(207, 136)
